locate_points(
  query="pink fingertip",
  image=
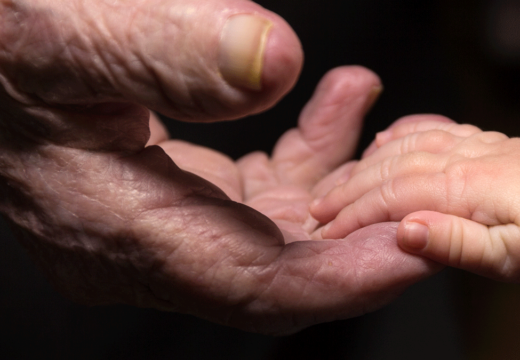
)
(415, 236)
(314, 207)
(325, 229)
(316, 202)
(283, 59)
(383, 137)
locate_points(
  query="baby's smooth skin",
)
(455, 189)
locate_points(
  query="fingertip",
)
(322, 209)
(260, 56)
(316, 210)
(325, 231)
(416, 118)
(455, 241)
(314, 206)
(357, 75)
(416, 232)
(260, 53)
(242, 50)
(383, 137)
(349, 87)
(350, 83)
(338, 228)
(412, 235)
(283, 59)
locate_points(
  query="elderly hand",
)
(112, 211)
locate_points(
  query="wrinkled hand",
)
(454, 186)
(93, 194)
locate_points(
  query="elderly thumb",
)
(191, 60)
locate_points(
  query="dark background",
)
(459, 58)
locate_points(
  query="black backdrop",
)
(427, 53)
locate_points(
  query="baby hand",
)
(455, 189)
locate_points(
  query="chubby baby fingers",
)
(490, 251)
(432, 142)
(392, 201)
(411, 122)
(363, 182)
(421, 123)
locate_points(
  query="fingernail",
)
(383, 137)
(326, 228)
(242, 46)
(316, 202)
(342, 179)
(415, 236)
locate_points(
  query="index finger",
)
(329, 126)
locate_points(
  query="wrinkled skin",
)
(114, 212)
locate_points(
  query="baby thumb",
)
(465, 244)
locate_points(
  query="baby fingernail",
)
(415, 236)
(383, 137)
(242, 46)
(316, 202)
(325, 229)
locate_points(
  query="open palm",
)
(115, 213)
(306, 281)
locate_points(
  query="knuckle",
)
(388, 191)
(456, 185)
(464, 130)
(491, 137)
(456, 244)
(436, 141)
(409, 143)
(386, 168)
(413, 163)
